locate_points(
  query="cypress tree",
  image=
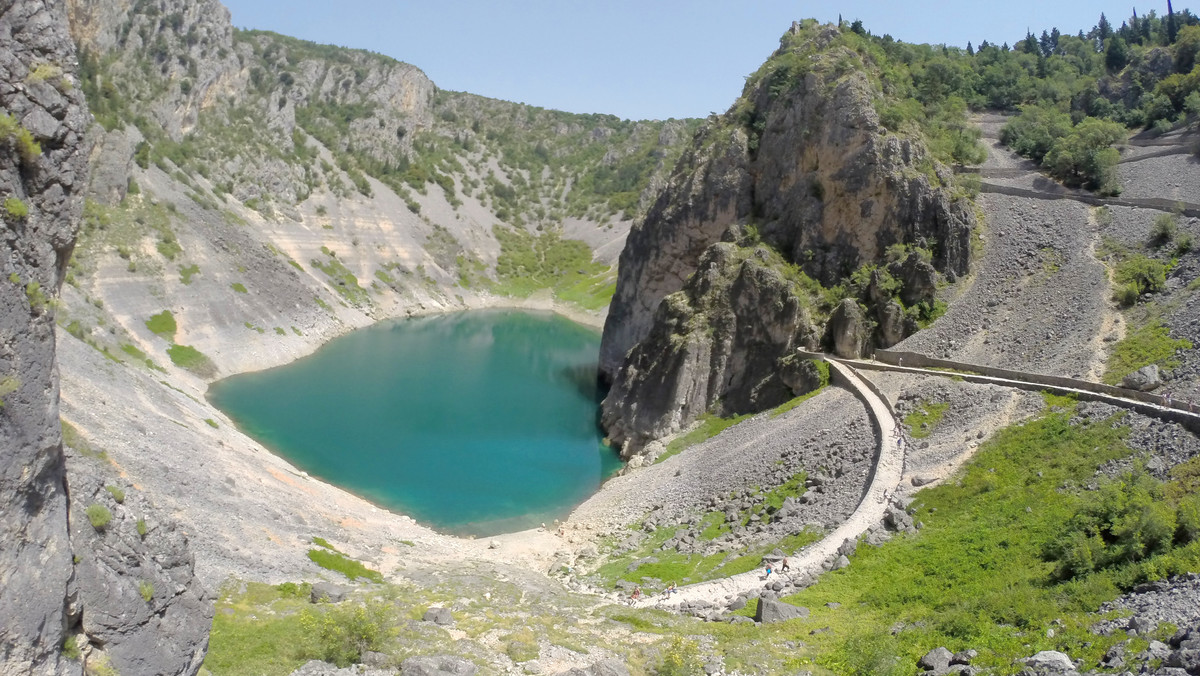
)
(1172, 27)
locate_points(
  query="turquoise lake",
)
(473, 423)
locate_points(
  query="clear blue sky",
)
(639, 59)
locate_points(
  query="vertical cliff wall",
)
(42, 164)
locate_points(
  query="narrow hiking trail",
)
(889, 468)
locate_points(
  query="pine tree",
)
(1054, 38)
(970, 49)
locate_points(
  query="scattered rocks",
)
(442, 665)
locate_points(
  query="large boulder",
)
(771, 610)
(1144, 379)
(1049, 663)
(848, 332)
(936, 659)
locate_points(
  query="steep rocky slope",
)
(79, 589)
(252, 196)
(801, 166)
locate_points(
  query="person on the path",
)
(636, 595)
(768, 572)
(670, 590)
(784, 566)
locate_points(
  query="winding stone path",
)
(886, 475)
(889, 467)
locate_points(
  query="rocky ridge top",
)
(800, 165)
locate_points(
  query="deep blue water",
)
(473, 423)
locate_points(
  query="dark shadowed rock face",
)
(38, 90)
(61, 578)
(805, 165)
(710, 348)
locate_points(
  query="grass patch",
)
(337, 562)
(343, 281)
(117, 493)
(980, 573)
(923, 419)
(186, 274)
(163, 325)
(1145, 345)
(187, 357)
(709, 427)
(246, 641)
(211, 423)
(672, 566)
(589, 291)
(238, 287)
(138, 355)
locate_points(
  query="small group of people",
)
(636, 594)
(783, 565)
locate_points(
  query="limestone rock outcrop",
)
(710, 347)
(42, 165)
(802, 165)
(139, 604)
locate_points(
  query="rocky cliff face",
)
(61, 612)
(42, 164)
(801, 164)
(710, 350)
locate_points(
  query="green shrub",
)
(117, 493)
(141, 528)
(70, 648)
(681, 657)
(1187, 519)
(521, 645)
(98, 515)
(238, 287)
(14, 209)
(1164, 230)
(211, 423)
(1149, 275)
(340, 634)
(1126, 294)
(37, 298)
(146, 589)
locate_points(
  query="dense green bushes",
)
(1130, 522)
(1079, 155)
